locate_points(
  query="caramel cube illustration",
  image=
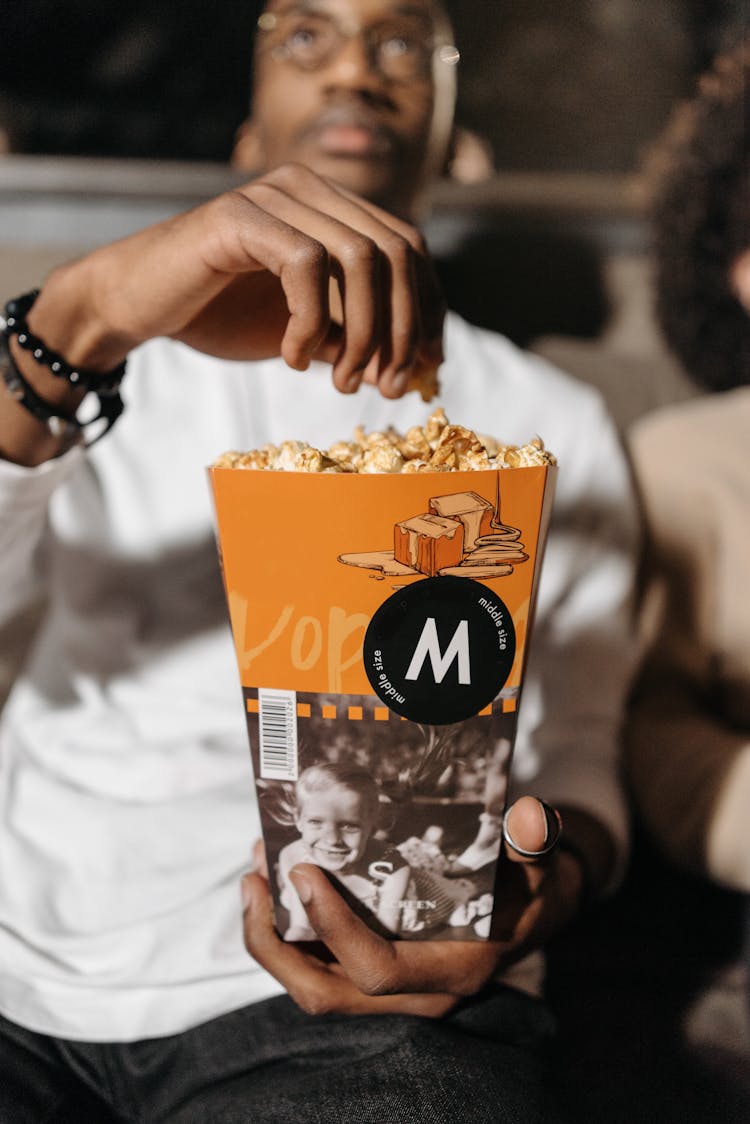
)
(428, 543)
(472, 511)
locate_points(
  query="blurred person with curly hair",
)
(701, 226)
(688, 739)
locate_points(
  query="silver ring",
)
(551, 838)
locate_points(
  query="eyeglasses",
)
(402, 49)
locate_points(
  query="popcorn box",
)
(381, 625)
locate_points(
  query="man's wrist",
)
(26, 438)
(60, 425)
(66, 317)
(585, 839)
(61, 329)
(586, 894)
(572, 883)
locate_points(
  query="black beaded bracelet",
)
(14, 323)
(68, 430)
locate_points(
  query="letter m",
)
(429, 645)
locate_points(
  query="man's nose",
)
(353, 65)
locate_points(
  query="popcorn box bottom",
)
(405, 817)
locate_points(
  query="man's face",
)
(346, 88)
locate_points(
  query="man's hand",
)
(370, 974)
(287, 265)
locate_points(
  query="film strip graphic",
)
(315, 707)
(274, 716)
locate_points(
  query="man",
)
(127, 807)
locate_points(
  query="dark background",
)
(553, 84)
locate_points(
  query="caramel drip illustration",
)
(462, 535)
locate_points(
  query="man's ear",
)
(739, 279)
(246, 156)
(470, 158)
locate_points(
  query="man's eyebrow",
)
(289, 9)
(316, 8)
(297, 6)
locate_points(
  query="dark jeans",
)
(747, 949)
(272, 1064)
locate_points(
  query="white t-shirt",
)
(127, 806)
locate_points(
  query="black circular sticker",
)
(440, 650)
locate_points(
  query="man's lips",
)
(342, 131)
(351, 140)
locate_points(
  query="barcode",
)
(277, 711)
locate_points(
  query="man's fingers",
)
(531, 830)
(407, 299)
(431, 300)
(366, 957)
(260, 863)
(384, 967)
(354, 261)
(297, 971)
(243, 237)
(316, 987)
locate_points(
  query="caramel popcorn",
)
(425, 382)
(438, 446)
